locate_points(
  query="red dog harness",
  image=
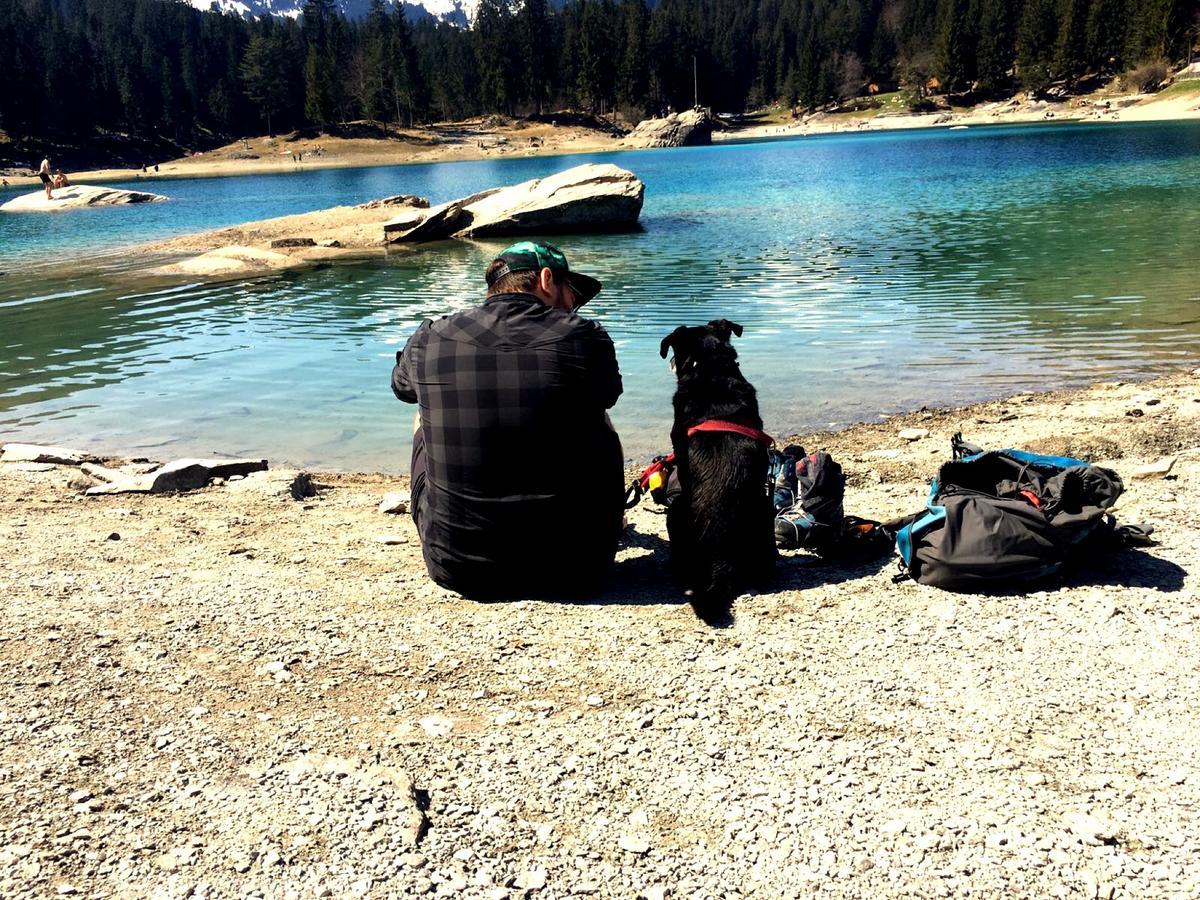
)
(721, 425)
(653, 480)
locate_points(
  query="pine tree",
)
(264, 73)
(954, 47)
(1070, 50)
(377, 62)
(633, 75)
(1036, 39)
(994, 49)
(1105, 35)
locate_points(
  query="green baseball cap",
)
(532, 256)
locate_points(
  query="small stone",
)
(161, 741)
(197, 711)
(595, 700)
(168, 862)
(655, 892)
(531, 880)
(1156, 469)
(894, 826)
(631, 843)
(413, 860)
(113, 537)
(436, 726)
(391, 540)
(275, 665)
(394, 503)
(913, 434)
(67, 890)
(83, 795)
(1090, 828)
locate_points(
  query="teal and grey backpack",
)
(1001, 518)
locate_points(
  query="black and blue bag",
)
(1002, 518)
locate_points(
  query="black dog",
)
(721, 523)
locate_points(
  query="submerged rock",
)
(235, 260)
(582, 199)
(691, 128)
(77, 196)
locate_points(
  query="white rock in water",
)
(77, 196)
(1155, 469)
(587, 197)
(913, 434)
(590, 197)
(34, 453)
(395, 503)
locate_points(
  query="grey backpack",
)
(1000, 518)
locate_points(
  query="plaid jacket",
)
(524, 476)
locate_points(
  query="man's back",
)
(523, 477)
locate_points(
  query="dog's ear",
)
(671, 340)
(722, 328)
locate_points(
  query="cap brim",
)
(585, 286)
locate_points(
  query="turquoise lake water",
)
(872, 272)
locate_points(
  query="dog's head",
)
(690, 344)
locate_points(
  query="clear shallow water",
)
(872, 272)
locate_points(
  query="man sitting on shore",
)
(516, 470)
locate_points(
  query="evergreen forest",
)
(162, 67)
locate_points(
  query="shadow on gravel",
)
(643, 579)
(1129, 567)
(799, 571)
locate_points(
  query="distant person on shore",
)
(516, 470)
(44, 174)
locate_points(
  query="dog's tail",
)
(714, 603)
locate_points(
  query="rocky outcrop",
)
(181, 475)
(75, 197)
(686, 129)
(585, 198)
(35, 453)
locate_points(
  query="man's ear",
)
(723, 327)
(670, 341)
(546, 281)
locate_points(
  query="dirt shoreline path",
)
(477, 139)
(232, 693)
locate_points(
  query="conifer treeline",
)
(163, 67)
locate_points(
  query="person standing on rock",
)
(517, 473)
(44, 174)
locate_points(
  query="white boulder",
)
(77, 196)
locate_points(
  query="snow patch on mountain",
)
(459, 12)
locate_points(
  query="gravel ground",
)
(232, 693)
